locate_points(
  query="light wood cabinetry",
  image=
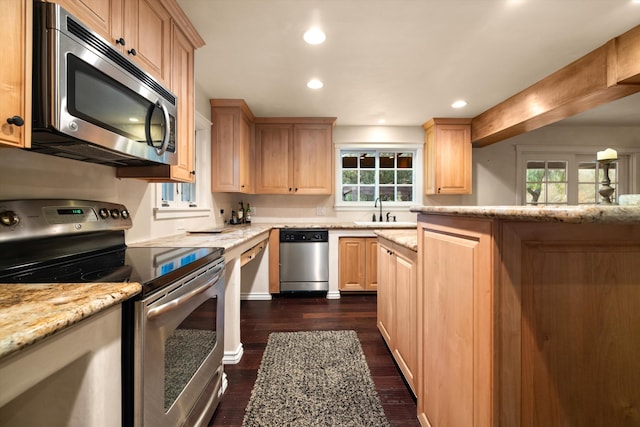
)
(294, 156)
(398, 305)
(447, 168)
(357, 264)
(140, 29)
(182, 85)
(231, 146)
(527, 323)
(15, 74)
(455, 326)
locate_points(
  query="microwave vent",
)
(89, 153)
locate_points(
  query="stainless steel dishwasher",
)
(304, 260)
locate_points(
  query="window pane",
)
(405, 160)
(367, 177)
(349, 193)
(168, 190)
(367, 194)
(557, 193)
(557, 172)
(387, 160)
(587, 172)
(349, 160)
(405, 194)
(368, 160)
(387, 194)
(349, 177)
(405, 177)
(587, 193)
(387, 177)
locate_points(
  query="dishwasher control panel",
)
(297, 235)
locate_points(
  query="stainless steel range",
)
(172, 333)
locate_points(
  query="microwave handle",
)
(167, 133)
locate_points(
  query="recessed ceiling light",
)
(381, 121)
(459, 103)
(314, 84)
(314, 36)
(133, 119)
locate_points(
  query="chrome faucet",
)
(375, 205)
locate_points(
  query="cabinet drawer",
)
(253, 252)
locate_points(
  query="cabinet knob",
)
(15, 120)
(120, 41)
(290, 189)
(194, 172)
(132, 52)
(296, 189)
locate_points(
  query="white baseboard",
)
(333, 295)
(256, 296)
(233, 357)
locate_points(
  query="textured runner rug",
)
(317, 378)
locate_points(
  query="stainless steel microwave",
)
(91, 103)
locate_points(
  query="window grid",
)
(546, 182)
(369, 174)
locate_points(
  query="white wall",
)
(24, 174)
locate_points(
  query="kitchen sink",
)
(378, 224)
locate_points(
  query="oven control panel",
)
(24, 219)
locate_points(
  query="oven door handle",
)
(173, 304)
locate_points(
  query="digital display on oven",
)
(73, 211)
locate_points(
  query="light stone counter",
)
(406, 238)
(31, 312)
(583, 214)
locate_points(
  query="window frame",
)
(201, 208)
(573, 155)
(417, 149)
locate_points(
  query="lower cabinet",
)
(397, 305)
(357, 264)
(456, 322)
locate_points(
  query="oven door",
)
(178, 368)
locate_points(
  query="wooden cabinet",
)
(357, 264)
(398, 305)
(15, 74)
(447, 166)
(182, 85)
(294, 156)
(140, 29)
(455, 382)
(231, 146)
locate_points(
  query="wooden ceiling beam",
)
(606, 74)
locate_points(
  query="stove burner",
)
(119, 274)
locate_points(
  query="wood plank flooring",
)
(294, 313)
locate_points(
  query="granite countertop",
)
(405, 238)
(31, 312)
(583, 214)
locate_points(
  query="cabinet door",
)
(371, 264)
(102, 16)
(147, 31)
(183, 87)
(448, 156)
(456, 382)
(351, 264)
(386, 292)
(15, 73)
(405, 346)
(312, 159)
(273, 159)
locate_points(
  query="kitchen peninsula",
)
(529, 315)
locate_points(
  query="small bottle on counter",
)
(247, 214)
(234, 218)
(241, 214)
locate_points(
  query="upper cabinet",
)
(447, 168)
(140, 29)
(231, 146)
(15, 74)
(294, 155)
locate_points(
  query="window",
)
(366, 174)
(186, 200)
(557, 177)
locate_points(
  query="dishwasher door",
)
(304, 264)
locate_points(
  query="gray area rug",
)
(317, 378)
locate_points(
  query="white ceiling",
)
(404, 61)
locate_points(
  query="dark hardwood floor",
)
(294, 313)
